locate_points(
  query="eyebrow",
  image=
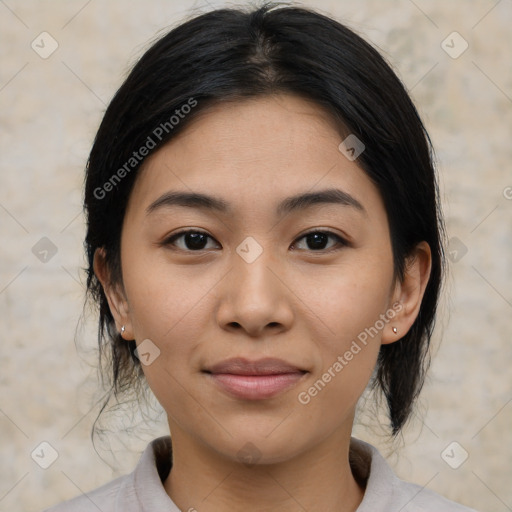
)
(290, 204)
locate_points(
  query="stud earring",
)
(122, 330)
(395, 330)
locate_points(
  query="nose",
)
(255, 297)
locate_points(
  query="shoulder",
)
(127, 493)
(416, 498)
(103, 498)
(386, 492)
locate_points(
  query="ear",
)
(408, 293)
(114, 293)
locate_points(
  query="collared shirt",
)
(143, 491)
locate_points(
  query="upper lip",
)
(242, 366)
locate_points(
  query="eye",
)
(318, 239)
(193, 240)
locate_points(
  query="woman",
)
(264, 242)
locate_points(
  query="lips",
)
(241, 366)
(254, 380)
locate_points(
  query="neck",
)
(316, 480)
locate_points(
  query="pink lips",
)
(255, 380)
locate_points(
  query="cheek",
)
(170, 311)
(351, 307)
(331, 396)
(348, 299)
(175, 324)
(351, 304)
(164, 301)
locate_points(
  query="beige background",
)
(50, 109)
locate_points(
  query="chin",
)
(259, 444)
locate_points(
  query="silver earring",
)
(395, 330)
(122, 330)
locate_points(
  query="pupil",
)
(319, 240)
(195, 240)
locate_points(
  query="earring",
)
(122, 330)
(395, 330)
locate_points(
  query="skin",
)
(294, 302)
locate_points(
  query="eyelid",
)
(342, 240)
(170, 239)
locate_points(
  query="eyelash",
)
(341, 242)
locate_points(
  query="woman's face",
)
(254, 286)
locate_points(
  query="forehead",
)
(254, 152)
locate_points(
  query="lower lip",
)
(256, 387)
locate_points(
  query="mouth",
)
(254, 380)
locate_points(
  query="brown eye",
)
(192, 240)
(317, 240)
